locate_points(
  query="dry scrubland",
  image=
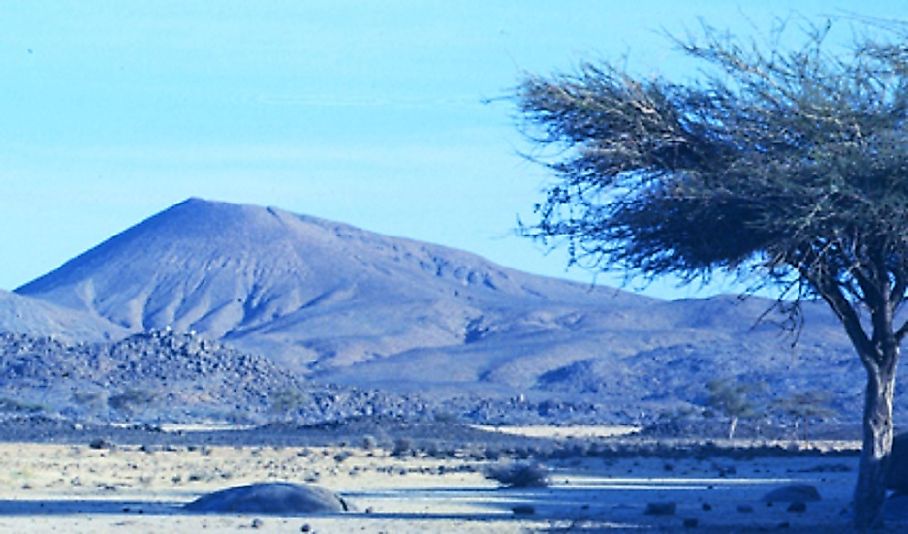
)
(76, 488)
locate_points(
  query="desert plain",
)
(597, 482)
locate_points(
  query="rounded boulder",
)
(277, 498)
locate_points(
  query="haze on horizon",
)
(369, 114)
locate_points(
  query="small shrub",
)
(288, 402)
(402, 447)
(518, 475)
(92, 399)
(99, 443)
(131, 399)
(446, 417)
(491, 453)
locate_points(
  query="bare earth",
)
(65, 488)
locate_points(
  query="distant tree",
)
(803, 407)
(788, 163)
(732, 400)
(131, 400)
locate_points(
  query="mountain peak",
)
(244, 271)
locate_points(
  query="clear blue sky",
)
(369, 113)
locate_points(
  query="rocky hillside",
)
(165, 376)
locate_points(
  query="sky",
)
(389, 115)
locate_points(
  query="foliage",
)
(787, 164)
(803, 406)
(518, 475)
(288, 402)
(94, 401)
(732, 399)
(402, 447)
(129, 400)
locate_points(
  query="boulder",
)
(793, 493)
(897, 475)
(276, 498)
(660, 508)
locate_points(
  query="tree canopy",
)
(791, 162)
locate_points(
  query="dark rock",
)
(797, 507)
(793, 493)
(660, 508)
(691, 522)
(257, 523)
(269, 498)
(745, 509)
(707, 507)
(523, 509)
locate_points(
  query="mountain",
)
(305, 290)
(343, 305)
(40, 318)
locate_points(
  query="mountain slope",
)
(348, 306)
(304, 290)
(40, 318)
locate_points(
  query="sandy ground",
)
(59, 488)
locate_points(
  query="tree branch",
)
(850, 319)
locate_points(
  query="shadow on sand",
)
(88, 506)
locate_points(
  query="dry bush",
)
(518, 475)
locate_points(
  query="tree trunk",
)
(870, 493)
(731, 428)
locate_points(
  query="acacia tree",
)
(732, 400)
(802, 407)
(787, 165)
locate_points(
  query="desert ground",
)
(74, 487)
